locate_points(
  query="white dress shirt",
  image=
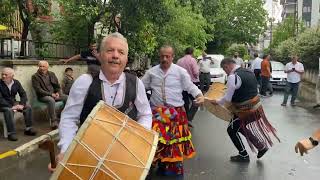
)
(231, 86)
(205, 65)
(10, 85)
(175, 80)
(71, 113)
(256, 63)
(294, 77)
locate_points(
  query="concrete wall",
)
(24, 69)
(310, 76)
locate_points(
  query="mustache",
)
(114, 61)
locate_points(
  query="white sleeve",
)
(146, 79)
(188, 84)
(70, 115)
(231, 87)
(144, 115)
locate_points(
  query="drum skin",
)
(215, 92)
(109, 145)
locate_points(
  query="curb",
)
(31, 145)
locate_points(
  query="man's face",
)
(7, 76)
(43, 68)
(294, 59)
(228, 68)
(93, 47)
(69, 73)
(166, 57)
(114, 57)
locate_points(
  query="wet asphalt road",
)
(214, 148)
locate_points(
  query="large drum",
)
(217, 91)
(109, 145)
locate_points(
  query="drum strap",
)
(163, 91)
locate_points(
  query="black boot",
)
(240, 158)
(12, 137)
(261, 153)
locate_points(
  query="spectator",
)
(91, 56)
(265, 74)
(9, 88)
(205, 79)
(294, 69)
(238, 60)
(67, 80)
(190, 64)
(256, 67)
(47, 88)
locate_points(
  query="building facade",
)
(306, 10)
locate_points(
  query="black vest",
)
(94, 95)
(248, 88)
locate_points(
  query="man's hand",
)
(303, 146)
(199, 100)
(57, 95)
(54, 95)
(59, 158)
(65, 61)
(20, 107)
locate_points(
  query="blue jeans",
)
(291, 88)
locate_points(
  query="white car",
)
(217, 74)
(278, 76)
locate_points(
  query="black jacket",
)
(7, 98)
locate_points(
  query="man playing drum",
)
(167, 81)
(121, 90)
(249, 118)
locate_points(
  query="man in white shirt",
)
(167, 81)
(115, 86)
(205, 79)
(256, 67)
(295, 70)
(238, 59)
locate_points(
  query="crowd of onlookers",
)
(47, 90)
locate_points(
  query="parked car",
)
(216, 72)
(278, 76)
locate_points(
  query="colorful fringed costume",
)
(254, 122)
(174, 139)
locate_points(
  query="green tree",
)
(284, 31)
(235, 22)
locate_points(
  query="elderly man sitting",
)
(47, 88)
(9, 88)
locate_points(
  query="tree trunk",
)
(24, 36)
(90, 32)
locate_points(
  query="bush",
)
(240, 48)
(306, 46)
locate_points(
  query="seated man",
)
(9, 88)
(47, 88)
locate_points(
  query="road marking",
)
(8, 154)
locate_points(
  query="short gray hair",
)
(8, 69)
(112, 35)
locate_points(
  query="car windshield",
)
(277, 66)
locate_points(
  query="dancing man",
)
(167, 81)
(249, 118)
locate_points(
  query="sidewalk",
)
(42, 127)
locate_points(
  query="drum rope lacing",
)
(101, 160)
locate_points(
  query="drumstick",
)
(49, 145)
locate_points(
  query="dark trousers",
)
(233, 131)
(257, 73)
(264, 85)
(9, 118)
(189, 106)
(291, 88)
(51, 103)
(205, 81)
